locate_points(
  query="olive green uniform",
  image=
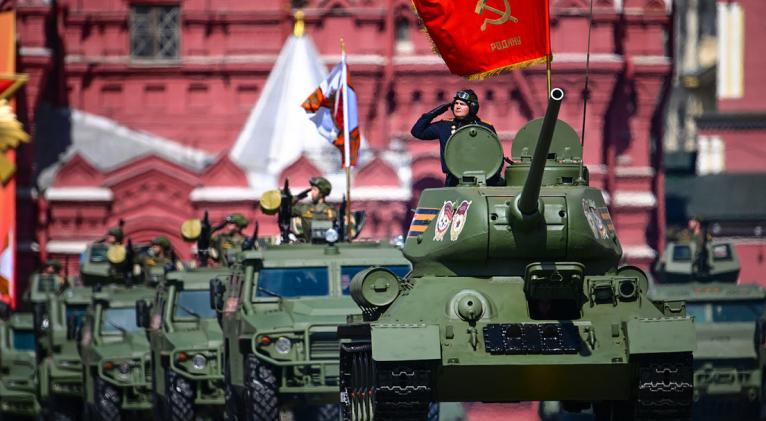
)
(309, 212)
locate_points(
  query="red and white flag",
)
(333, 103)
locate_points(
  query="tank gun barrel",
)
(528, 201)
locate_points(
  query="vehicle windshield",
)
(46, 283)
(682, 253)
(76, 312)
(116, 320)
(24, 340)
(98, 253)
(193, 304)
(726, 311)
(347, 274)
(293, 282)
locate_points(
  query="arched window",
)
(402, 35)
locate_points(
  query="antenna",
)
(580, 179)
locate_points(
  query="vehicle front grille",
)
(324, 346)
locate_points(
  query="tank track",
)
(665, 387)
(382, 391)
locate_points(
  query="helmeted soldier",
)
(50, 278)
(158, 254)
(114, 236)
(232, 236)
(464, 107)
(318, 209)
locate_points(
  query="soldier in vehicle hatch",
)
(465, 108)
(318, 209)
(159, 254)
(232, 235)
(113, 237)
(52, 270)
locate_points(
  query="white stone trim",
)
(649, 60)
(35, 52)
(634, 172)
(730, 69)
(634, 199)
(420, 59)
(333, 59)
(638, 251)
(66, 246)
(581, 58)
(237, 194)
(79, 194)
(223, 194)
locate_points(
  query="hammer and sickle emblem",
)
(504, 16)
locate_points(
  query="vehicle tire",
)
(261, 403)
(107, 402)
(433, 411)
(180, 397)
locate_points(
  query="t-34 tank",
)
(515, 295)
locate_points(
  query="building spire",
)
(298, 29)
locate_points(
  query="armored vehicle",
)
(60, 368)
(115, 354)
(18, 368)
(728, 318)
(515, 294)
(187, 345)
(279, 312)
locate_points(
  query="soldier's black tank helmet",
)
(469, 97)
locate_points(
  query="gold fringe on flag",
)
(499, 70)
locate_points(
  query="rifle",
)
(340, 220)
(203, 242)
(127, 268)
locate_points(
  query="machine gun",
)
(250, 242)
(286, 209)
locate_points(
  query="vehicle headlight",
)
(283, 345)
(199, 361)
(331, 235)
(124, 367)
(45, 323)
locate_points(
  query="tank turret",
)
(506, 227)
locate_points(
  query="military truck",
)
(115, 354)
(279, 312)
(728, 317)
(515, 295)
(60, 367)
(18, 368)
(186, 345)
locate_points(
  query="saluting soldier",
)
(464, 107)
(114, 236)
(232, 237)
(318, 209)
(51, 272)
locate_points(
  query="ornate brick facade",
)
(78, 53)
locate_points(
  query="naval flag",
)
(333, 104)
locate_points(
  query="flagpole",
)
(346, 137)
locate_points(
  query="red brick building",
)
(717, 126)
(135, 107)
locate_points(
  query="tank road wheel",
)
(180, 397)
(261, 402)
(107, 402)
(664, 391)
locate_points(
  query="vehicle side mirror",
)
(216, 294)
(142, 313)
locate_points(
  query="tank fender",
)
(398, 342)
(661, 335)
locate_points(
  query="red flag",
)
(480, 38)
